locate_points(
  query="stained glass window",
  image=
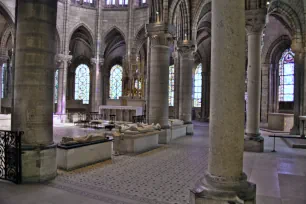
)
(3, 79)
(82, 83)
(123, 2)
(115, 89)
(110, 2)
(286, 76)
(197, 86)
(56, 86)
(171, 85)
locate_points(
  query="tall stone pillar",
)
(175, 56)
(60, 86)
(253, 142)
(97, 62)
(33, 87)
(205, 95)
(273, 92)
(158, 105)
(265, 92)
(224, 181)
(65, 60)
(298, 85)
(97, 85)
(186, 49)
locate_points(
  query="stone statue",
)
(134, 129)
(81, 140)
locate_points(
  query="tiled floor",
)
(164, 176)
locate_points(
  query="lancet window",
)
(115, 89)
(82, 83)
(286, 76)
(171, 85)
(197, 86)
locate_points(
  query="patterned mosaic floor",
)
(162, 176)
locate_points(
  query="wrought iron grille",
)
(10, 156)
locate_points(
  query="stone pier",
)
(186, 49)
(254, 24)
(97, 84)
(205, 93)
(158, 105)
(33, 88)
(64, 61)
(224, 181)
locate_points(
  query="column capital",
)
(60, 58)
(3, 59)
(160, 34)
(186, 48)
(94, 61)
(255, 21)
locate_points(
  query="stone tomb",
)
(177, 129)
(137, 143)
(78, 155)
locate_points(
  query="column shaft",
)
(97, 85)
(227, 100)
(186, 65)
(175, 56)
(265, 92)
(60, 90)
(205, 96)
(253, 86)
(64, 87)
(159, 82)
(255, 23)
(224, 181)
(33, 87)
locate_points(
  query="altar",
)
(280, 121)
(123, 113)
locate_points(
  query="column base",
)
(206, 120)
(189, 129)
(216, 190)
(253, 143)
(38, 163)
(295, 130)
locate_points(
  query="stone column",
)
(97, 62)
(224, 181)
(186, 49)
(60, 86)
(63, 80)
(205, 95)
(158, 105)
(97, 85)
(254, 24)
(265, 92)
(33, 87)
(298, 90)
(176, 59)
(273, 92)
